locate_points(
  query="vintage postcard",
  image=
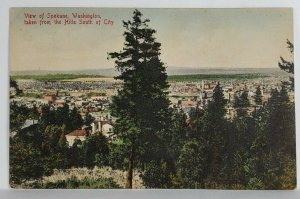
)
(105, 98)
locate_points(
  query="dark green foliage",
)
(177, 136)
(288, 66)
(75, 155)
(217, 106)
(44, 142)
(241, 103)
(272, 153)
(282, 123)
(117, 155)
(157, 174)
(76, 120)
(95, 151)
(52, 139)
(62, 116)
(239, 143)
(249, 152)
(25, 162)
(213, 132)
(30, 135)
(210, 132)
(88, 119)
(258, 96)
(192, 163)
(54, 147)
(18, 114)
(141, 107)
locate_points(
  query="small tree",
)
(76, 119)
(62, 115)
(241, 103)
(88, 119)
(95, 146)
(258, 96)
(217, 106)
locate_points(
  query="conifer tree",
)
(258, 96)
(288, 66)
(75, 118)
(217, 106)
(88, 119)
(241, 103)
(212, 135)
(141, 107)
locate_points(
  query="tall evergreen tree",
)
(217, 134)
(142, 106)
(211, 135)
(288, 66)
(217, 107)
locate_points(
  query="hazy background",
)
(191, 38)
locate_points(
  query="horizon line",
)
(190, 67)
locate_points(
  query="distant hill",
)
(170, 70)
(103, 72)
(225, 71)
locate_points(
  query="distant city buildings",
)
(94, 97)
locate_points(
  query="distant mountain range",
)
(170, 70)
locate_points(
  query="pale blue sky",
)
(190, 38)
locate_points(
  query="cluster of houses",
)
(95, 106)
(192, 96)
(102, 126)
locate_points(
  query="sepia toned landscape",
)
(152, 98)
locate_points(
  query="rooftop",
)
(78, 132)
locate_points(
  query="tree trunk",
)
(128, 184)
